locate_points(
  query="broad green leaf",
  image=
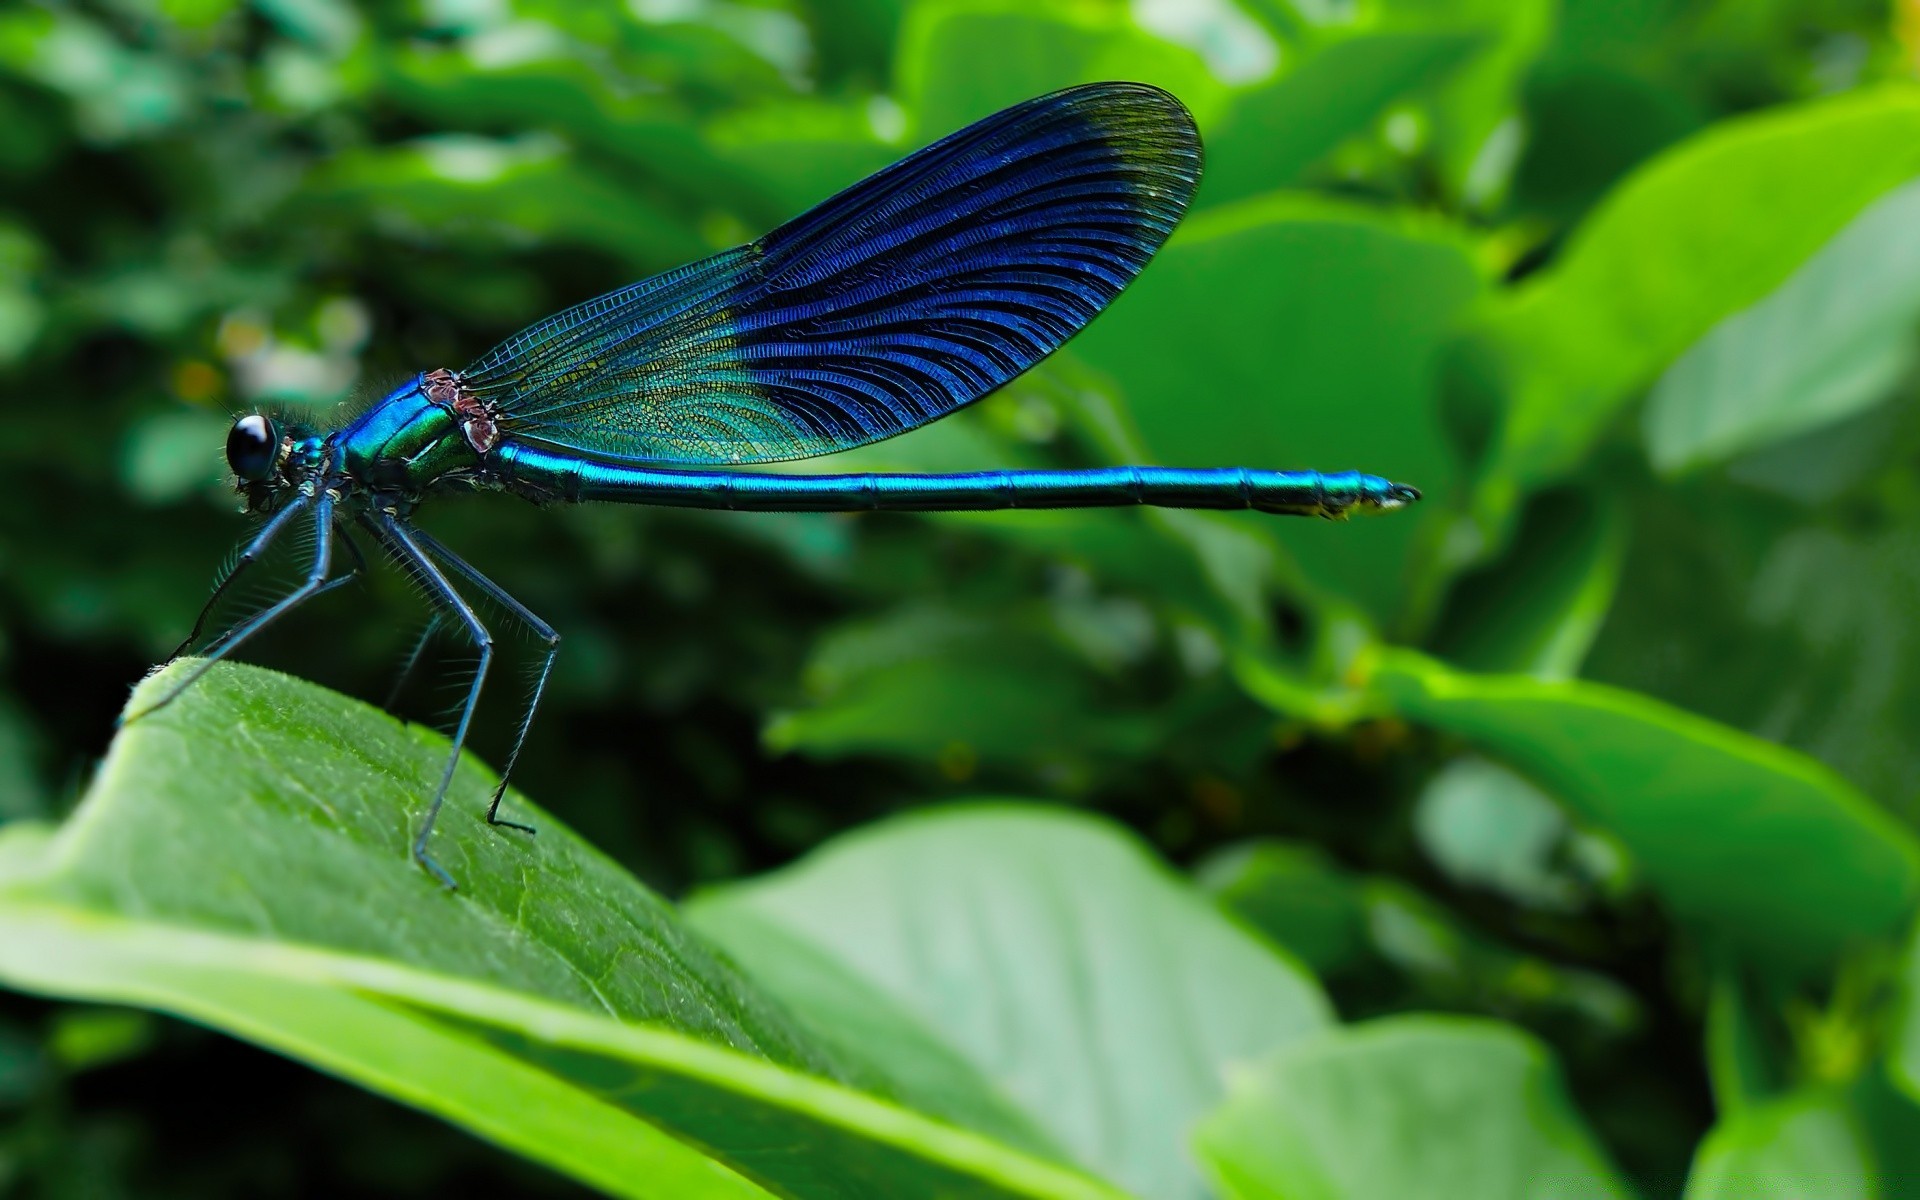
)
(1048, 952)
(1831, 341)
(943, 73)
(1758, 845)
(1740, 607)
(1282, 333)
(1408, 1106)
(1704, 230)
(241, 862)
(1274, 132)
(1805, 1145)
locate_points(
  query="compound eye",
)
(252, 446)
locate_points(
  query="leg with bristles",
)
(247, 557)
(232, 640)
(545, 632)
(402, 543)
(412, 662)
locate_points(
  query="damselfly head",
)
(253, 448)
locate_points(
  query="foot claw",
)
(493, 811)
(434, 869)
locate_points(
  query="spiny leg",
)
(250, 555)
(412, 661)
(541, 630)
(217, 646)
(401, 542)
(316, 583)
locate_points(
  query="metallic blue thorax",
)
(404, 443)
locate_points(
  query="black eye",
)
(252, 447)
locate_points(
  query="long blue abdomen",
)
(547, 475)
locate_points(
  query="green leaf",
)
(1282, 333)
(1539, 608)
(500, 191)
(1830, 342)
(943, 49)
(1486, 827)
(1474, 112)
(241, 861)
(803, 153)
(1409, 1106)
(1734, 833)
(1706, 229)
(1809, 1144)
(1383, 945)
(1275, 131)
(925, 682)
(1050, 953)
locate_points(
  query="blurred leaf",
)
(173, 455)
(85, 1038)
(553, 1005)
(1705, 230)
(1353, 928)
(1539, 608)
(1759, 846)
(1487, 827)
(21, 792)
(511, 191)
(118, 93)
(23, 1065)
(803, 153)
(1829, 342)
(1739, 1064)
(22, 315)
(1275, 131)
(855, 37)
(1410, 1106)
(941, 67)
(1051, 953)
(931, 684)
(1296, 895)
(1805, 1145)
(1797, 631)
(1281, 333)
(1589, 122)
(1475, 131)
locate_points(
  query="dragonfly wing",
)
(916, 291)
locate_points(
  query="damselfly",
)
(890, 305)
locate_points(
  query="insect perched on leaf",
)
(892, 304)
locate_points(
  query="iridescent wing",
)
(902, 298)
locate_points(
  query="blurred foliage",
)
(1609, 740)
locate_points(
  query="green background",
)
(1555, 837)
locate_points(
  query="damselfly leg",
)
(545, 632)
(248, 555)
(233, 639)
(403, 544)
